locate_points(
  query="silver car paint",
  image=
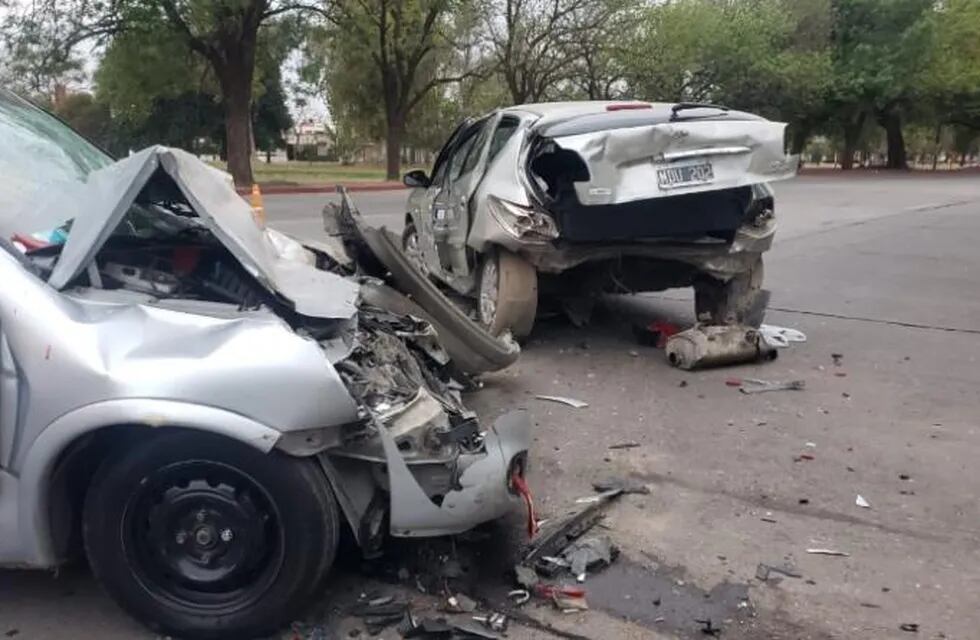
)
(98, 205)
(73, 362)
(623, 163)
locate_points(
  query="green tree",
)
(882, 54)
(224, 33)
(383, 58)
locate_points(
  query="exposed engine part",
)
(142, 279)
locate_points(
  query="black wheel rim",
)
(203, 535)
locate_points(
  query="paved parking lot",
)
(882, 270)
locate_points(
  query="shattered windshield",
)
(39, 153)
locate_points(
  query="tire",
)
(741, 300)
(199, 536)
(507, 294)
(411, 247)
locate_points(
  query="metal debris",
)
(828, 552)
(589, 553)
(571, 402)
(763, 571)
(495, 621)
(630, 444)
(702, 347)
(559, 534)
(861, 502)
(911, 627)
(623, 485)
(519, 596)
(378, 613)
(754, 385)
(460, 603)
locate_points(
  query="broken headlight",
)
(524, 223)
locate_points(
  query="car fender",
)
(43, 453)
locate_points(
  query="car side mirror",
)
(416, 179)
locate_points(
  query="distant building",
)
(310, 140)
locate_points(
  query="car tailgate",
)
(673, 158)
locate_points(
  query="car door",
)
(451, 213)
(425, 206)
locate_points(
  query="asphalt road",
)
(884, 271)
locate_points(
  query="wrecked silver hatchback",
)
(190, 396)
(573, 199)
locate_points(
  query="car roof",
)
(577, 108)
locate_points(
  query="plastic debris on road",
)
(828, 552)
(861, 502)
(571, 402)
(780, 337)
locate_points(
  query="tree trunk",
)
(238, 122)
(852, 133)
(892, 123)
(393, 147)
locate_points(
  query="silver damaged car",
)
(199, 404)
(580, 198)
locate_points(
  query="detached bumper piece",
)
(484, 492)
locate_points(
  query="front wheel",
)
(199, 536)
(508, 293)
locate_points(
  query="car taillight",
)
(524, 223)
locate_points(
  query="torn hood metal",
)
(97, 206)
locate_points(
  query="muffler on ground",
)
(706, 346)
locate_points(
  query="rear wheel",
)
(741, 300)
(204, 537)
(508, 293)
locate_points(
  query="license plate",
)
(686, 175)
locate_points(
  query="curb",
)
(353, 187)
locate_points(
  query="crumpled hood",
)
(97, 206)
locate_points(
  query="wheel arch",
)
(54, 469)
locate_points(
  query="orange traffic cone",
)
(258, 210)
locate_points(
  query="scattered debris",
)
(460, 603)
(768, 519)
(828, 552)
(754, 385)
(379, 613)
(840, 374)
(708, 628)
(495, 621)
(837, 357)
(780, 337)
(904, 476)
(733, 382)
(763, 571)
(526, 576)
(425, 628)
(870, 605)
(682, 384)
(571, 402)
(622, 485)
(560, 533)
(911, 627)
(861, 502)
(703, 346)
(589, 553)
(519, 597)
(804, 456)
(630, 444)
(804, 501)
